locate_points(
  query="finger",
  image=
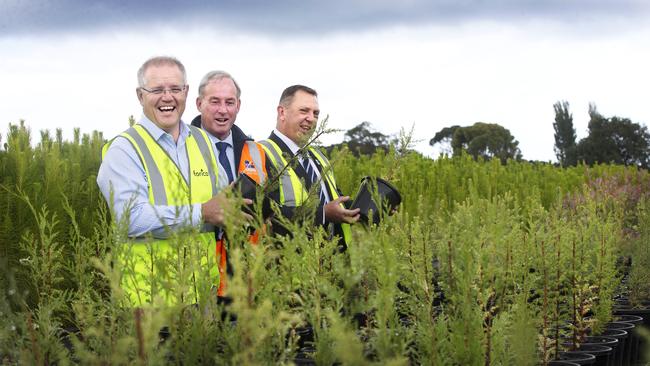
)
(351, 219)
(343, 199)
(352, 212)
(248, 201)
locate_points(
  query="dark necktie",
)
(311, 174)
(223, 159)
(312, 178)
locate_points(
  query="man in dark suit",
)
(304, 169)
(219, 102)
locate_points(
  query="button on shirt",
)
(122, 172)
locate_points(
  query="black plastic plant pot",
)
(628, 343)
(562, 363)
(602, 353)
(305, 356)
(637, 343)
(604, 340)
(246, 186)
(627, 318)
(248, 189)
(623, 345)
(390, 199)
(578, 358)
(305, 336)
(643, 312)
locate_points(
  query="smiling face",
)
(165, 109)
(297, 119)
(219, 106)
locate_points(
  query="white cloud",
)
(432, 77)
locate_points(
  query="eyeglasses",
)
(174, 90)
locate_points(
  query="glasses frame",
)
(161, 91)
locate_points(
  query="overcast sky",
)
(430, 64)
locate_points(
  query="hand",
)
(214, 211)
(335, 212)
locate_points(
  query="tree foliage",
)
(614, 140)
(362, 139)
(565, 135)
(486, 140)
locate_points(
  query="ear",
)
(138, 92)
(198, 103)
(281, 112)
(238, 105)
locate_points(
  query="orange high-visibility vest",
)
(253, 164)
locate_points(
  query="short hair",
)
(160, 61)
(290, 92)
(217, 75)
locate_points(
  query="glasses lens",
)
(158, 91)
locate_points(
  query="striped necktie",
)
(311, 174)
(312, 178)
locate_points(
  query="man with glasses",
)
(160, 177)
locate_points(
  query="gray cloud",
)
(296, 16)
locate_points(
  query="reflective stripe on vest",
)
(328, 172)
(253, 162)
(156, 264)
(290, 183)
(205, 146)
(292, 192)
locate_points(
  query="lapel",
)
(238, 139)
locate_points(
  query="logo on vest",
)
(249, 164)
(200, 173)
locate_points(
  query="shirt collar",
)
(157, 132)
(287, 141)
(215, 139)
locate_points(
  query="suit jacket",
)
(288, 212)
(238, 140)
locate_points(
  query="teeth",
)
(166, 109)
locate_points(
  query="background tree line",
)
(610, 140)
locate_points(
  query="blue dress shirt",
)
(122, 172)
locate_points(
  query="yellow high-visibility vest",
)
(168, 272)
(293, 193)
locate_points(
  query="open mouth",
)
(167, 108)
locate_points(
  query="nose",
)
(167, 94)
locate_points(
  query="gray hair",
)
(160, 61)
(217, 75)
